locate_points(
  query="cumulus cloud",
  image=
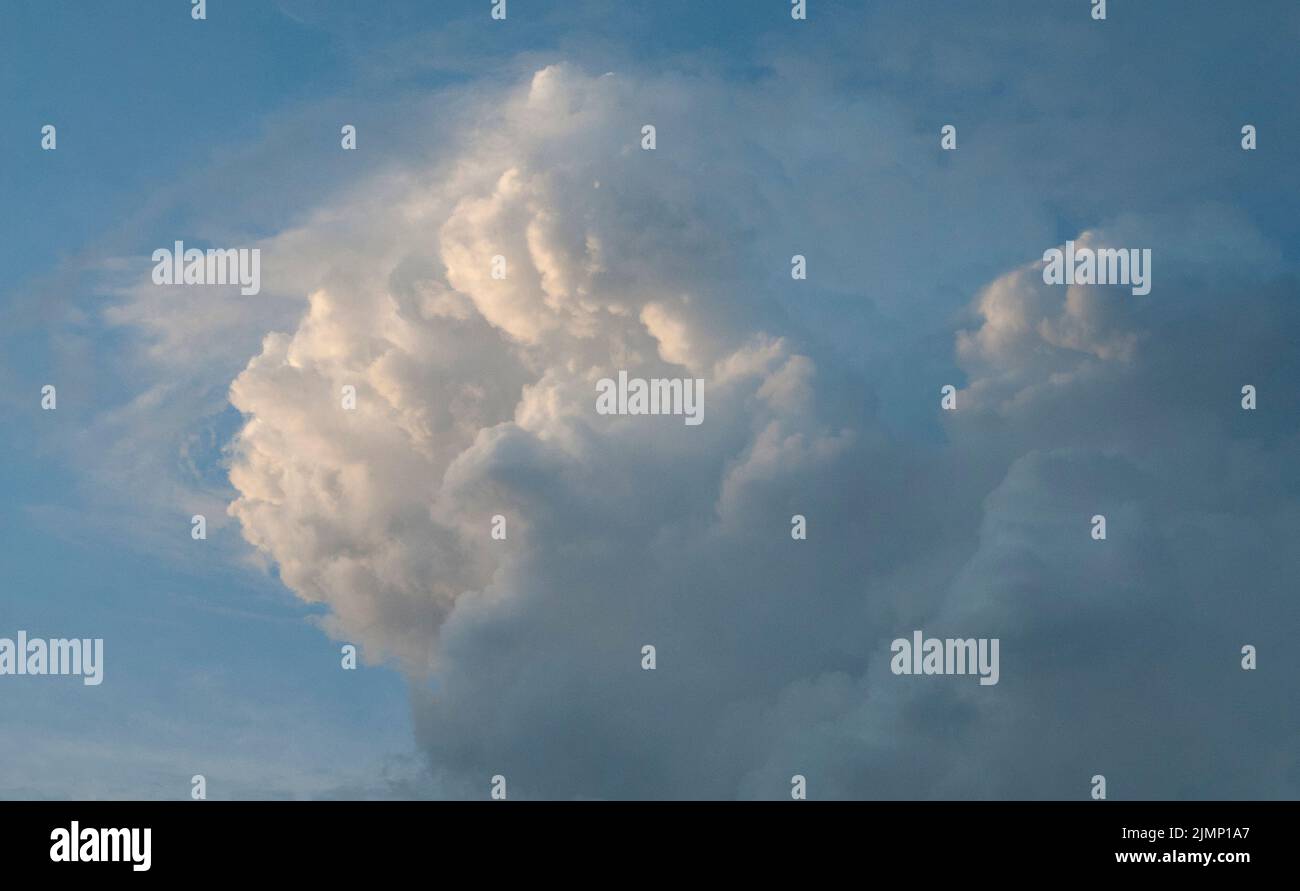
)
(466, 380)
(475, 397)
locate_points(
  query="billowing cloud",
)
(476, 397)
(473, 389)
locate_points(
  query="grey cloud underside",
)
(476, 398)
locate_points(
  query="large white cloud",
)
(476, 397)
(473, 389)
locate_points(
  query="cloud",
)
(476, 398)
(473, 389)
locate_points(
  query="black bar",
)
(498, 839)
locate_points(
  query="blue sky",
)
(776, 137)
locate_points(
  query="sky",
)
(523, 657)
